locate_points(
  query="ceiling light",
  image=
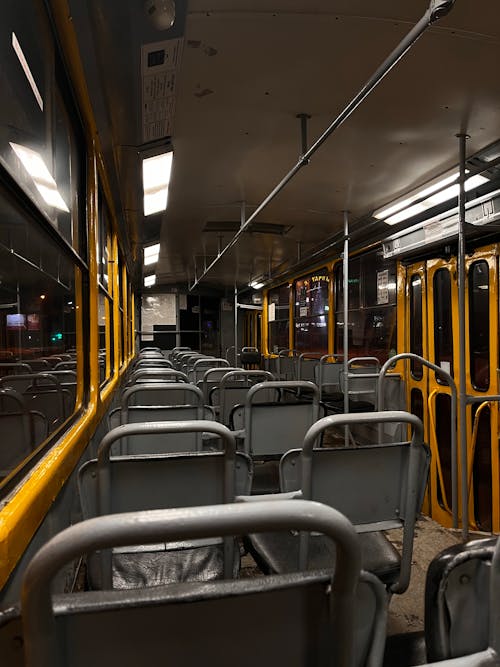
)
(42, 178)
(151, 254)
(26, 69)
(149, 281)
(156, 177)
(405, 209)
(256, 285)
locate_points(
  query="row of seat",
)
(292, 613)
(334, 617)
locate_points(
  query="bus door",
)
(481, 380)
(442, 320)
(481, 317)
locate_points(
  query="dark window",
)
(443, 330)
(479, 325)
(417, 403)
(372, 307)
(40, 144)
(482, 473)
(38, 302)
(311, 312)
(416, 327)
(443, 416)
(278, 300)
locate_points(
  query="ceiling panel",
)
(248, 68)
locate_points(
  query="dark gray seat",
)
(233, 389)
(162, 393)
(377, 487)
(295, 620)
(110, 485)
(457, 610)
(462, 607)
(270, 429)
(156, 375)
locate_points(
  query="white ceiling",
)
(247, 71)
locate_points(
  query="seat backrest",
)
(159, 362)
(123, 484)
(327, 374)
(233, 390)
(457, 610)
(163, 393)
(274, 428)
(307, 365)
(159, 443)
(286, 365)
(65, 366)
(378, 487)
(212, 377)
(156, 375)
(363, 373)
(303, 619)
(201, 366)
(14, 368)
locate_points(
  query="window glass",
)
(443, 332)
(311, 312)
(278, 300)
(104, 336)
(39, 145)
(372, 307)
(479, 325)
(416, 345)
(38, 303)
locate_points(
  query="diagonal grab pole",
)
(436, 9)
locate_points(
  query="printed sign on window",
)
(382, 287)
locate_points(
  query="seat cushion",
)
(278, 553)
(142, 568)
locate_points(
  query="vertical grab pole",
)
(235, 325)
(345, 273)
(462, 391)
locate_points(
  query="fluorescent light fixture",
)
(42, 178)
(256, 285)
(149, 281)
(24, 64)
(156, 177)
(431, 197)
(151, 254)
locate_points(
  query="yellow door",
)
(481, 321)
(481, 380)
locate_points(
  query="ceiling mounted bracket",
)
(303, 117)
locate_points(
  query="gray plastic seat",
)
(233, 389)
(162, 393)
(378, 487)
(110, 485)
(296, 620)
(457, 609)
(272, 428)
(201, 366)
(164, 443)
